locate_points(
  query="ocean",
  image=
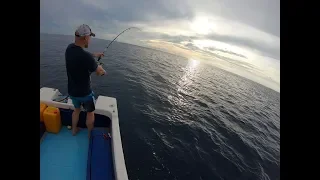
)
(179, 118)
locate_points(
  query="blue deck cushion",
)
(100, 161)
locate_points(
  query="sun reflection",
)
(193, 63)
(185, 87)
(190, 72)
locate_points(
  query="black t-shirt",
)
(80, 64)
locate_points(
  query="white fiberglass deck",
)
(63, 156)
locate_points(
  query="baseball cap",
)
(84, 30)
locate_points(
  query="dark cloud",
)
(226, 51)
(261, 14)
(143, 10)
(272, 52)
(265, 50)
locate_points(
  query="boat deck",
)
(63, 156)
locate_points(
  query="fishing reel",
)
(100, 63)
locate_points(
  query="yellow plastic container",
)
(52, 119)
(42, 108)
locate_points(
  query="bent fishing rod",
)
(115, 39)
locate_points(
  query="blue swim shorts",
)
(87, 102)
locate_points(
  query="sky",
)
(240, 36)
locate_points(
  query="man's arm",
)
(100, 71)
(94, 67)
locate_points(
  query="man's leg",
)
(89, 105)
(75, 115)
(75, 119)
(90, 122)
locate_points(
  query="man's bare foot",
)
(75, 131)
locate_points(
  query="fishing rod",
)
(115, 39)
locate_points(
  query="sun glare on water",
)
(185, 85)
(193, 63)
(190, 72)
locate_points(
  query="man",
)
(80, 64)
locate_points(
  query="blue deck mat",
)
(63, 156)
(100, 165)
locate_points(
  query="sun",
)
(201, 25)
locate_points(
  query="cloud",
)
(216, 29)
(263, 15)
(139, 10)
(174, 18)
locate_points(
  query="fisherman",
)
(80, 64)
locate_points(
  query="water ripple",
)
(180, 118)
